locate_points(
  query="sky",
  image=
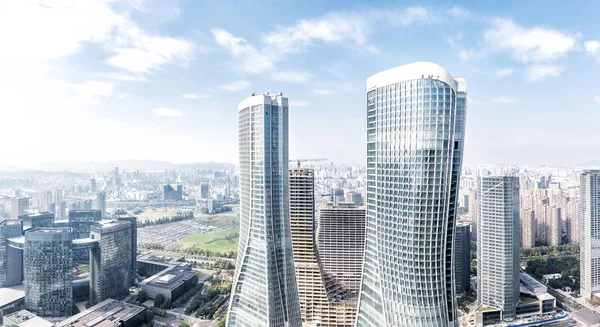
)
(98, 80)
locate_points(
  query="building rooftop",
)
(104, 314)
(25, 318)
(161, 258)
(11, 294)
(484, 308)
(171, 277)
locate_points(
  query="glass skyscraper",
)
(264, 291)
(415, 131)
(589, 232)
(498, 244)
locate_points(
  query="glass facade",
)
(498, 244)
(462, 257)
(11, 262)
(48, 271)
(111, 260)
(589, 232)
(264, 292)
(415, 130)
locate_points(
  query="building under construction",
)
(328, 257)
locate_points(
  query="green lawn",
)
(215, 241)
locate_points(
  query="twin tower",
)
(415, 131)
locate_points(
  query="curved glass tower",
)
(264, 290)
(415, 131)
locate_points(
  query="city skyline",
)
(152, 73)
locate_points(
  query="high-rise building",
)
(111, 260)
(133, 221)
(93, 185)
(589, 233)
(39, 219)
(57, 196)
(323, 299)
(415, 130)
(462, 257)
(341, 245)
(498, 244)
(61, 211)
(11, 261)
(528, 228)
(48, 271)
(81, 221)
(205, 191)
(264, 290)
(172, 193)
(18, 207)
(101, 203)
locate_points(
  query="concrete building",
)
(111, 260)
(101, 203)
(528, 228)
(12, 299)
(48, 271)
(415, 130)
(341, 244)
(264, 290)
(172, 193)
(18, 207)
(323, 300)
(152, 263)
(498, 245)
(589, 236)
(133, 221)
(11, 260)
(171, 282)
(93, 185)
(107, 313)
(462, 257)
(205, 191)
(24, 318)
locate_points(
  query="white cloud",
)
(597, 99)
(496, 100)
(124, 96)
(323, 91)
(460, 12)
(167, 112)
(542, 72)
(125, 77)
(503, 72)
(299, 103)
(470, 55)
(592, 47)
(192, 96)
(247, 58)
(292, 76)
(236, 86)
(410, 16)
(333, 27)
(529, 45)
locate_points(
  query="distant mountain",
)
(99, 167)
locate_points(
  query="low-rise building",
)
(106, 314)
(171, 282)
(24, 318)
(11, 299)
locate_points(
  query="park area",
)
(222, 241)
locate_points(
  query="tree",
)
(141, 297)
(149, 315)
(159, 300)
(222, 322)
(184, 324)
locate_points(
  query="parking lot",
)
(169, 234)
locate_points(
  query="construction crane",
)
(299, 161)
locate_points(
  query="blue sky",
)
(161, 79)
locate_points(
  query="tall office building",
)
(133, 221)
(110, 261)
(415, 129)
(11, 261)
(264, 290)
(462, 257)
(18, 207)
(589, 233)
(57, 196)
(498, 244)
(38, 219)
(81, 222)
(101, 203)
(48, 271)
(93, 185)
